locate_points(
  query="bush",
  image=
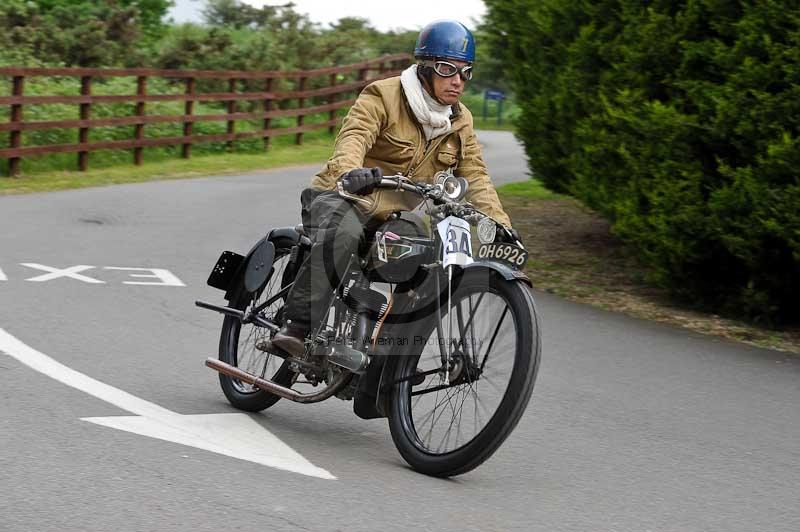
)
(679, 120)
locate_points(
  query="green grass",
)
(492, 125)
(315, 149)
(531, 189)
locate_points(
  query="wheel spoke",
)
(279, 295)
(465, 338)
(462, 388)
(472, 312)
(432, 413)
(447, 399)
(496, 330)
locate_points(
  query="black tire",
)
(417, 447)
(237, 343)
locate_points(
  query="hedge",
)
(678, 120)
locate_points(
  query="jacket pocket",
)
(398, 142)
(447, 158)
(391, 149)
(448, 155)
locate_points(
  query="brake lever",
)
(352, 197)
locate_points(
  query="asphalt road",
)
(633, 426)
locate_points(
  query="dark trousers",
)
(336, 228)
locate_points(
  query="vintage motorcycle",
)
(443, 343)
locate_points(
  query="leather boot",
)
(291, 340)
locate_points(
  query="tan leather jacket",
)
(381, 130)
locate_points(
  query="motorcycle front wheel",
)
(447, 418)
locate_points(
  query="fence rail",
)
(324, 98)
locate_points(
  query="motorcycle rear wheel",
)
(445, 429)
(238, 342)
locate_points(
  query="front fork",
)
(445, 352)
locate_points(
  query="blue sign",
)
(495, 95)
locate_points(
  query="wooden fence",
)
(326, 98)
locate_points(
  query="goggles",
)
(447, 70)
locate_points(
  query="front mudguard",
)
(507, 272)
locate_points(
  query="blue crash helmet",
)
(446, 39)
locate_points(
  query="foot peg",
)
(268, 347)
(264, 345)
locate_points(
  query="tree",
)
(238, 15)
(680, 121)
(71, 33)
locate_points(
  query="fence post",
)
(301, 86)
(300, 118)
(15, 139)
(362, 76)
(141, 90)
(267, 108)
(231, 110)
(332, 99)
(83, 133)
(188, 125)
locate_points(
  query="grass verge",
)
(574, 255)
(531, 189)
(313, 150)
(491, 124)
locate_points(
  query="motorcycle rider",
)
(412, 124)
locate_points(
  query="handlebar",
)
(429, 191)
(400, 182)
(426, 190)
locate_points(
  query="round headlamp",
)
(452, 187)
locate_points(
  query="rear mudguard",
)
(255, 267)
(372, 395)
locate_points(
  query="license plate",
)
(514, 256)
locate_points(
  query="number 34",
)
(456, 245)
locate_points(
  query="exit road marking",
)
(235, 435)
(154, 276)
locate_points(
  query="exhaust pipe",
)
(277, 389)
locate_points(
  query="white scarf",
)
(433, 116)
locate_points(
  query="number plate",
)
(514, 256)
(456, 241)
(224, 270)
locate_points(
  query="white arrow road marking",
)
(235, 435)
(2, 275)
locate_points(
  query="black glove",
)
(361, 181)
